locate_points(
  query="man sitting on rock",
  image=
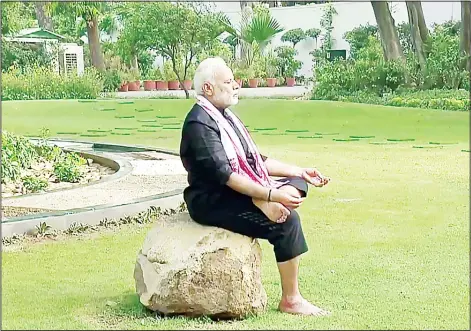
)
(230, 185)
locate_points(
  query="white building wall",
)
(349, 15)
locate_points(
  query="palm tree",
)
(257, 28)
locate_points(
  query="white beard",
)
(226, 99)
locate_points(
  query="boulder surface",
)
(189, 269)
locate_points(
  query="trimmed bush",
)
(453, 100)
(43, 83)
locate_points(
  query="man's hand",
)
(314, 177)
(285, 198)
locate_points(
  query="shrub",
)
(112, 80)
(33, 184)
(24, 55)
(287, 64)
(294, 36)
(43, 83)
(452, 100)
(18, 154)
(67, 169)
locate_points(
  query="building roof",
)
(38, 33)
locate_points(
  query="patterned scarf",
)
(233, 147)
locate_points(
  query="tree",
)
(42, 15)
(419, 31)
(465, 40)
(255, 26)
(358, 38)
(15, 16)
(294, 36)
(179, 32)
(90, 12)
(313, 33)
(387, 30)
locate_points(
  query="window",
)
(70, 63)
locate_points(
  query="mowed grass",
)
(388, 237)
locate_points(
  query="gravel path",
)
(259, 92)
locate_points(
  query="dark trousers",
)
(238, 214)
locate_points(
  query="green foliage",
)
(43, 229)
(43, 83)
(287, 64)
(358, 38)
(67, 168)
(452, 100)
(16, 15)
(444, 61)
(294, 36)
(367, 77)
(216, 49)
(17, 153)
(34, 184)
(313, 33)
(178, 32)
(112, 79)
(24, 56)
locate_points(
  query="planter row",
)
(161, 85)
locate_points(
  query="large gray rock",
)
(190, 269)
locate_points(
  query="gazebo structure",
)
(69, 56)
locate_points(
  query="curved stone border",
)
(122, 167)
(61, 220)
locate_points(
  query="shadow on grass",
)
(126, 309)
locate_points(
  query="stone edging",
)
(122, 167)
(61, 220)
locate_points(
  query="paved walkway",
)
(152, 173)
(259, 92)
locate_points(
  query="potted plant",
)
(287, 64)
(124, 82)
(240, 75)
(170, 76)
(149, 81)
(271, 70)
(253, 82)
(160, 83)
(134, 82)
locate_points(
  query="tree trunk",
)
(416, 22)
(44, 20)
(134, 63)
(465, 44)
(387, 30)
(94, 44)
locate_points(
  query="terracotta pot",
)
(271, 82)
(149, 85)
(290, 82)
(239, 82)
(173, 85)
(187, 84)
(132, 86)
(253, 82)
(124, 87)
(138, 84)
(161, 85)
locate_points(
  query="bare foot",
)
(301, 306)
(275, 211)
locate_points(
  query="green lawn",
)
(388, 238)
